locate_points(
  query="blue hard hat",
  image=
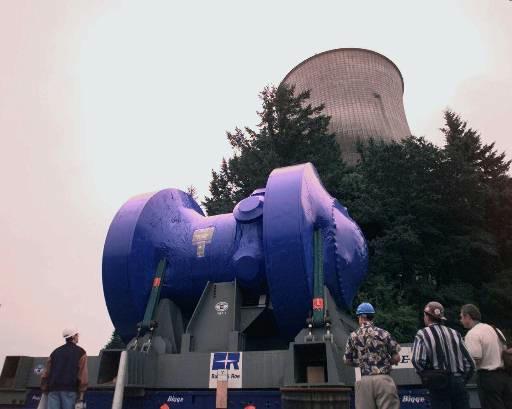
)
(365, 308)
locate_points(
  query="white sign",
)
(405, 359)
(226, 366)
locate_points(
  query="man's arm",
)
(350, 357)
(394, 349)
(83, 376)
(469, 364)
(45, 375)
(419, 354)
(474, 346)
(395, 359)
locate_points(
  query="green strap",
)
(318, 279)
(154, 296)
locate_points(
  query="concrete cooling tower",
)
(362, 91)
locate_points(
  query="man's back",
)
(65, 376)
(485, 346)
(372, 348)
(65, 364)
(439, 347)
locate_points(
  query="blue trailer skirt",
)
(410, 398)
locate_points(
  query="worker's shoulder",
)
(381, 332)
(69, 348)
(59, 349)
(80, 350)
(421, 332)
(453, 331)
(482, 328)
(355, 333)
(474, 332)
(483, 332)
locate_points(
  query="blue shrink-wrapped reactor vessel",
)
(266, 245)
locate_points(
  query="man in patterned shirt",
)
(374, 351)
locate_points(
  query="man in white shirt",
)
(485, 346)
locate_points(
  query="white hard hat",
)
(69, 332)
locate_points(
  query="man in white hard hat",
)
(65, 375)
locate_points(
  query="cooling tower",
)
(362, 91)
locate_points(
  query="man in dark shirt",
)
(442, 360)
(374, 351)
(65, 375)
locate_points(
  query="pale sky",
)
(100, 101)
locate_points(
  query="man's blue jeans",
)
(62, 400)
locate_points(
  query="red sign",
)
(318, 304)
(156, 282)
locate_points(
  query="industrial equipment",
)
(265, 246)
(251, 304)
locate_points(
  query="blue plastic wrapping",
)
(266, 245)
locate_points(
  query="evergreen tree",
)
(464, 146)
(397, 203)
(115, 342)
(291, 131)
(483, 204)
(192, 191)
(437, 221)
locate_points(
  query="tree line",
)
(438, 219)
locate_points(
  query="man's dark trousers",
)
(453, 396)
(495, 389)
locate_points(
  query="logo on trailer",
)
(226, 360)
(221, 307)
(413, 399)
(172, 399)
(226, 366)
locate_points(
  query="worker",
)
(442, 360)
(374, 351)
(65, 375)
(486, 344)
